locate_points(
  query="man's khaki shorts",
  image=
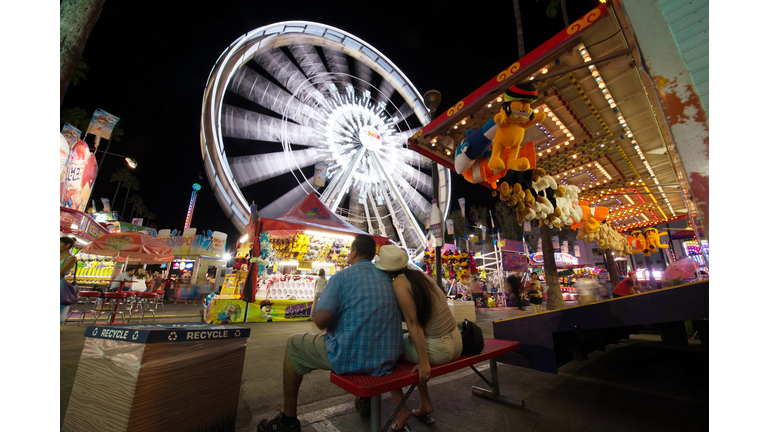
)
(306, 352)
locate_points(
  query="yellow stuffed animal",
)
(652, 241)
(512, 120)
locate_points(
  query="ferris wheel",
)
(287, 96)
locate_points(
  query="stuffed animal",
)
(474, 146)
(637, 242)
(512, 120)
(652, 241)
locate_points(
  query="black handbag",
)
(471, 339)
(69, 290)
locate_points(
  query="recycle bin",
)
(158, 377)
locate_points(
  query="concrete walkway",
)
(637, 385)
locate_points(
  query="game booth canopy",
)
(305, 238)
(572, 128)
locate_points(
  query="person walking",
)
(534, 293)
(319, 285)
(433, 337)
(66, 262)
(515, 288)
(359, 311)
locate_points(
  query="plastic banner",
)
(63, 155)
(137, 221)
(577, 251)
(539, 245)
(105, 204)
(483, 233)
(102, 124)
(514, 262)
(79, 175)
(279, 310)
(224, 311)
(321, 173)
(527, 226)
(564, 249)
(71, 134)
(463, 204)
(556, 242)
(449, 226)
(209, 243)
(512, 246)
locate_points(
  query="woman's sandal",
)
(405, 427)
(426, 418)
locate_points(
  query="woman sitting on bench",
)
(433, 337)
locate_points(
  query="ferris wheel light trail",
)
(308, 88)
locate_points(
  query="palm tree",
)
(138, 203)
(556, 6)
(76, 20)
(130, 183)
(554, 294)
(519, 27)
(149, 216)
(76, 116)
(119, 175)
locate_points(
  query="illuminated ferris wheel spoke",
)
(290, 83)
(254, 87)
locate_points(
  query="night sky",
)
(149, 67)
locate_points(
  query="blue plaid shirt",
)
(365, 334)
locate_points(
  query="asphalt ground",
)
(639, 384)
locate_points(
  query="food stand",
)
(197, 260)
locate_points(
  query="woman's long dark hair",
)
(515, 283)
(422, 289)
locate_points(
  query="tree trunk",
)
(76, 20)
(554, 294)
(114, 197)
(125, 202)
(519, 27)
(565, 13)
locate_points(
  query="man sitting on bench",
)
(357, 306)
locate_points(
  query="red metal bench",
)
(401, 376)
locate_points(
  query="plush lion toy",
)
(512, 120)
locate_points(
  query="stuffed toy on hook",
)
(652, 241)
(515, 116)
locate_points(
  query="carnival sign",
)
(514, 262)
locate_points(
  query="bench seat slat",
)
(401, 376)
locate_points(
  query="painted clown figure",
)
(266, 310)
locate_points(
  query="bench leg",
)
(494, 393)
(392, 416)
(375, 413)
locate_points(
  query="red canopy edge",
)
(312, 214)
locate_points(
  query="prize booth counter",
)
(568, 272)
(195, 275)
(287, 252)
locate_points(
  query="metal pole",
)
(436, 194)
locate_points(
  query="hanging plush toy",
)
(637, 242)
(512, 120)
(652, 241)
(474, 146)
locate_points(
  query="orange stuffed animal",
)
(512, 120)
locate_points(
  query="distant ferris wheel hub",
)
(323, 96)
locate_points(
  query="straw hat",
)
(391, 258)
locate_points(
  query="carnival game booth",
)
(91, 269)
(197, 261)
(566, 274)
(288, 251)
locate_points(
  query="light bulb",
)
(587, 58)
(498, 99)
(544, 70)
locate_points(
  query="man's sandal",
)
(426, 418)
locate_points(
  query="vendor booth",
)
(197, 263)
(91, 269)
(287, 253)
